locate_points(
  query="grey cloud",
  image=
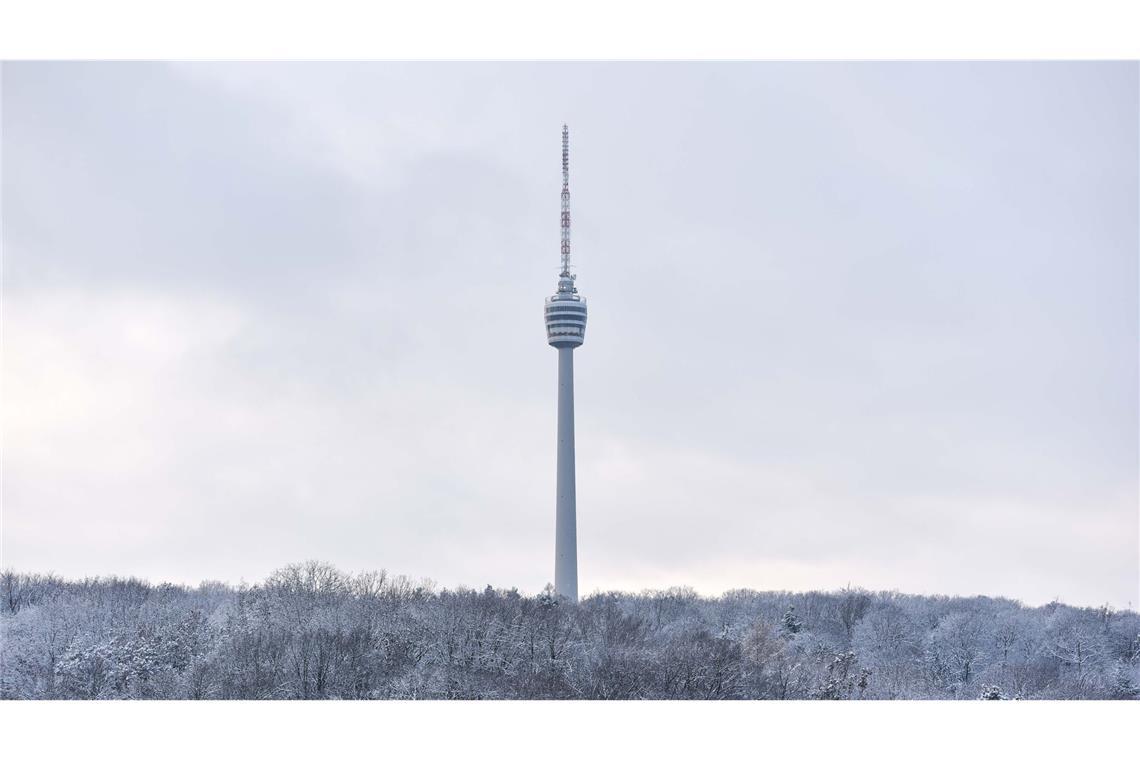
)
(868, 323)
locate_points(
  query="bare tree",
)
(311, 631)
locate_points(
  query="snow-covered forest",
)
(312, 632)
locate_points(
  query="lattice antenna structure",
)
(566, 201)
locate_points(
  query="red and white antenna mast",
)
(566, 201)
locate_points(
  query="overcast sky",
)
(872, 324)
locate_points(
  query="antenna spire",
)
(565, 201)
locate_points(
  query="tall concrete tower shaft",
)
(565, 316)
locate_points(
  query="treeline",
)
(313, 632)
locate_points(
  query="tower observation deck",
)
(565, 316)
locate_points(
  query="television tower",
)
(565, 330)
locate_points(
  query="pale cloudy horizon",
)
(868, 324)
